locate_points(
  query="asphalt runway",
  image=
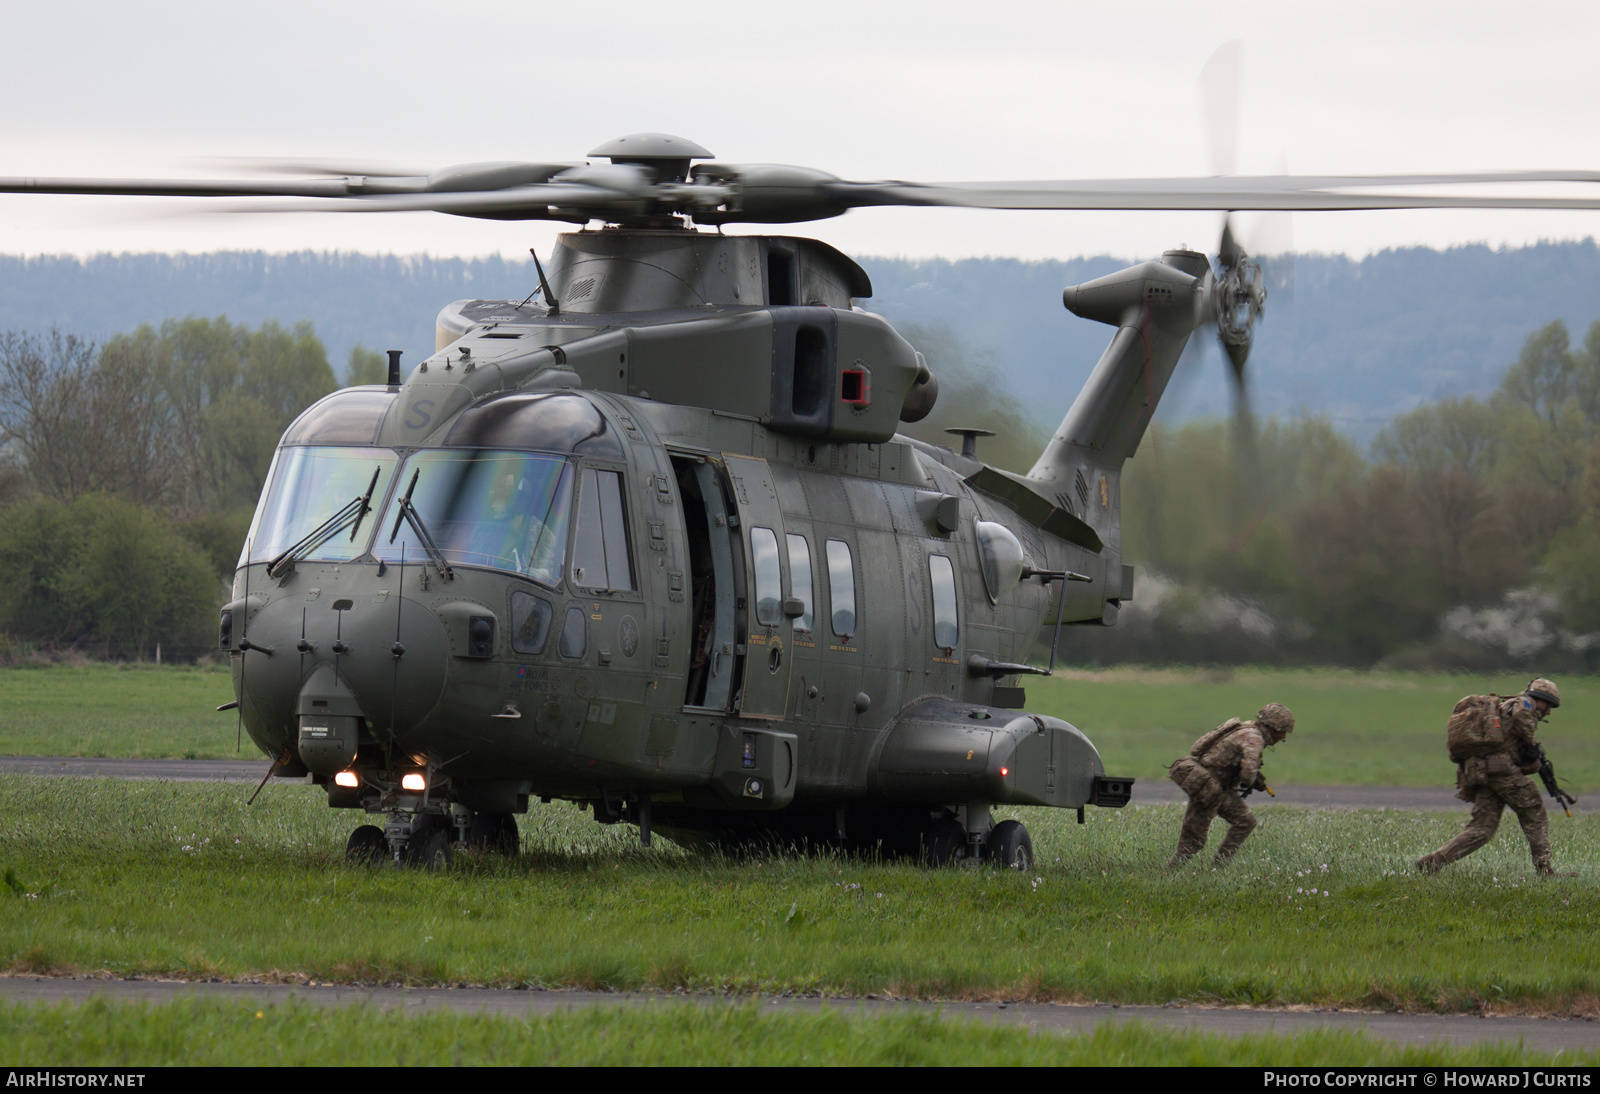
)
(1535, 1034)
(1145, 792)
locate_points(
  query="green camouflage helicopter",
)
(654, 544)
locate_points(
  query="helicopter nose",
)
(374, 656)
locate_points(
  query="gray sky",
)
(926, 90)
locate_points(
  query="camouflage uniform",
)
(1210, 779)
(1495, 781)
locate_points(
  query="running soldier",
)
(1499, 777)
(1220, 769)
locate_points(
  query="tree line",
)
(129, 472)
(1467, 535)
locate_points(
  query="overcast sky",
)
(919, 90)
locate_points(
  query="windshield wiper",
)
(408, 513)
(356, 510)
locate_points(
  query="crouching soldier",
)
(1492, 742)
(1220, 765)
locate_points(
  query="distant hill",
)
(1360, 341)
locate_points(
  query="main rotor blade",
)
(314, 167)
(535, 201)
(183, 188)
(1293, 193)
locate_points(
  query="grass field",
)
(101, 1035)
(118, 711)
(1321, 908)
(1353, 727)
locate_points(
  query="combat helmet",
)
(1276, 717)
(1543, 689)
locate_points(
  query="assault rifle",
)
(1244, 791)
(1547, 773)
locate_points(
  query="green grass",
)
(184, 880)
(97, 1034)
(1351, 727)
(118, 711)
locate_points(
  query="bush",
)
(106, 574)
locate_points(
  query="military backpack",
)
(1203, 745)
(1475, 728)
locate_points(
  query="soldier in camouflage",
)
(1221, 764)
(1500, 779)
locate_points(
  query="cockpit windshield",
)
(505, 510)
(306, 487)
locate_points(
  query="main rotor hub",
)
(667, 156)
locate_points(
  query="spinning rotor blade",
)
(316, 167)
(1309, 193)
(1219, 106)
(650, 177)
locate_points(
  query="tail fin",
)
(1155, 307)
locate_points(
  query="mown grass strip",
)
(118, 711)
(216, 1033)
(1321, 908)
(1355, 728)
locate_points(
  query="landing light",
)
(413, 781)
(346, 778)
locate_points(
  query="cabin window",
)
(502, 510)
(575, 634)
(769, 576)
(842, 588)
(530, 622)
(800, 579)
(305, 487)
(600, 549)
(946, 621)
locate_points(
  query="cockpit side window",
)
(600, 546)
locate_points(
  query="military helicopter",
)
(652, 543)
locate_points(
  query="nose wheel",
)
(430, 851)
(1009, 846)
(366, 846)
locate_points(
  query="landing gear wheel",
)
(495, 832)
(945, 842)
(366, 846)
(430, 851)
(1009, 847)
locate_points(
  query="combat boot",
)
(1547, 870)
(1430, 864)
